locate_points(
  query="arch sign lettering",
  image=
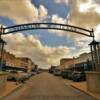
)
(32, 26)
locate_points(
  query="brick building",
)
(65, 62)
(19, 62)
(68, 62)
(25, 63)
(9, 58)
(83, 57)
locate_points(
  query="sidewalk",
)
(82, 86)
(10, 87)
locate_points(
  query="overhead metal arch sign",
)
(31, 26)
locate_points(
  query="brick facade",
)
(67, 62)
(13, 61)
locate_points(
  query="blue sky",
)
(46, 37)
(48, 46)
(6, 21)
(53, 8)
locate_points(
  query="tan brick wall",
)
(64, 63)
(13, 61)
(9, 58)
(3, 79)
(31, 65)
(17, 62)
(25, 63)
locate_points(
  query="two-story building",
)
(65, 62)
(25, 62)
(68, 62)
(8, 58)
(17, 62)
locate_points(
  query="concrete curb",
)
(85, 92)
(4, 96)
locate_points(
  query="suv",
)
(79, 76)
(65, 73)
(70, 74)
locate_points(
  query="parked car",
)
(51, 70)
(12, 75)
(79, 76)
(23, 75)
(19, 76)
(31, 74)
(64, 73)
(38, 71)
(70, 74)
(57, 72)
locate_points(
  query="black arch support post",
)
(95, 50)
(2, 43)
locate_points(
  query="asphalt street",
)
(45, 86)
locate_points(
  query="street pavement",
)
(45, 86)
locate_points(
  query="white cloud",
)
(87, 6)
(43, 12)
(84, 13)
(57, 19)
(22, 11)
(31, 46)
(97, 33)
(61, 1)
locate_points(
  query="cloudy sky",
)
(47, 47)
